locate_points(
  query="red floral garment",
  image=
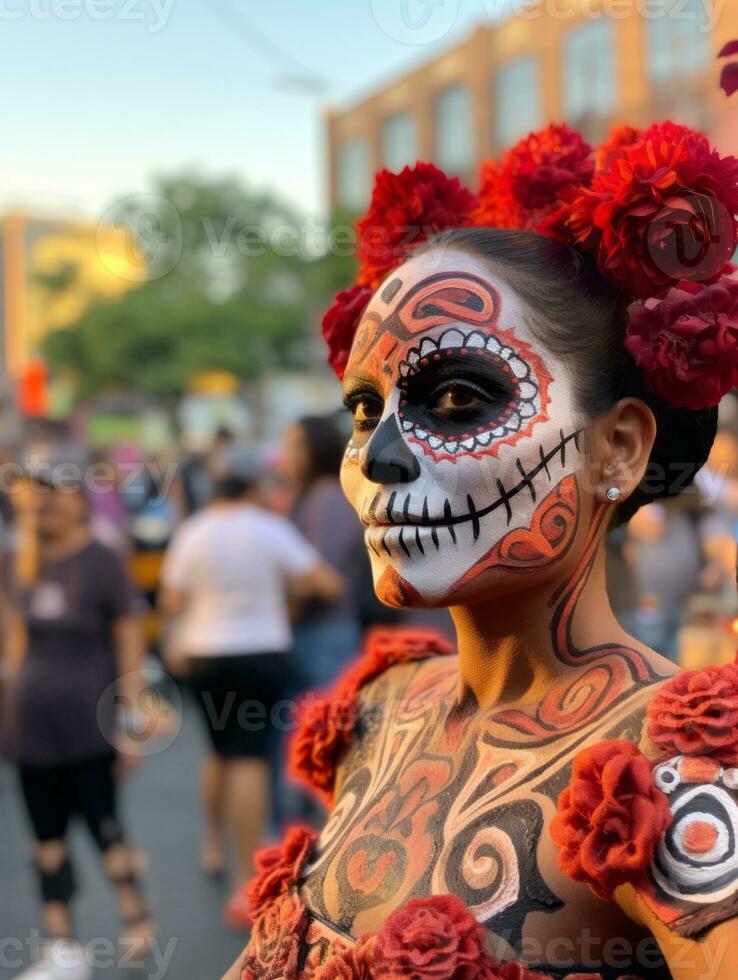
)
(327, 720)
(664, 825)
(427, 939)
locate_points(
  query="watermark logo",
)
(147, 706)
(415, 21)
(152, 231)
(152, 14)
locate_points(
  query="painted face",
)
(466, 440)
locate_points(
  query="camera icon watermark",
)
(415, 21)
(149, 719)
(152, 237)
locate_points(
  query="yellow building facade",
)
(50, 270)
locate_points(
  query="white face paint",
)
(465, 434)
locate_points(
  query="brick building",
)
(590, 62)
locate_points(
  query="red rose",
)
(664, 211)
(405, 210)
(326, 721)
(531, 181)
(278, 868)
(341, 322)
(687, 343)
(343, 963)
(696, 713)
(610, 150)
(513, 970)
(274, 948)
(430, 938)
(610, 819)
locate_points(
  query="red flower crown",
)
(656, 209)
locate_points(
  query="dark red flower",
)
(533, 177)
(686, 344)
(729, 78)
(274, 947)
(326, 721)
(433, 939)
(696, 713)
(278, 868)
(405, 210)
(663, 212)
(729, 49)
(610, 818)
(610, 150)
(341, 322)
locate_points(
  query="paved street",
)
(161, 809)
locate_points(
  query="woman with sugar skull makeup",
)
(524, 369)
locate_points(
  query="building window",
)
(589, 71)
(354, 177)
(678, 40)
(517, 101)
(454, 130)
(399, 141)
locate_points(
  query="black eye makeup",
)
(366, 406)
(460, 392)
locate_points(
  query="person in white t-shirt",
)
(228, 575)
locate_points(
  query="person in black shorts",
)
(74, 644)
(225, 585)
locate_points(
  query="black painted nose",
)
(388, 459)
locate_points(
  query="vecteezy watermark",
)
(153, 237)
(415, 21)
(146, 707)
(125, 479)
(704, 14)
(100, 953)
(153, 14)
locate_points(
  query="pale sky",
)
(98, 95)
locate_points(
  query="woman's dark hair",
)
(581, 318)
(325, 444)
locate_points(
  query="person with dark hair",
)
(326, 634)
(226, 579)
(556, 793)
(74, 650)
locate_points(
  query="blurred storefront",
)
(593, 63)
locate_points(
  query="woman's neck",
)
(508, 650)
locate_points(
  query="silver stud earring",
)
(614, 494)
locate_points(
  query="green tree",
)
(230, 285)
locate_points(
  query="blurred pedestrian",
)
(73, 653)
(225, 581)
(327, 633)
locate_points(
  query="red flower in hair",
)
(341, 322)
(610, 818)
(326, 721)
(406, 209)
(686, 344)
(663, 212)
(620, 137)
(533, 178)
(729, 74)
(436, 939)
(696, 713)
(278, 868)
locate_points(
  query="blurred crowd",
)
(239, 573)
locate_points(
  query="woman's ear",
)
(621, 441)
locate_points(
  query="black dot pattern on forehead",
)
(391, 290)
